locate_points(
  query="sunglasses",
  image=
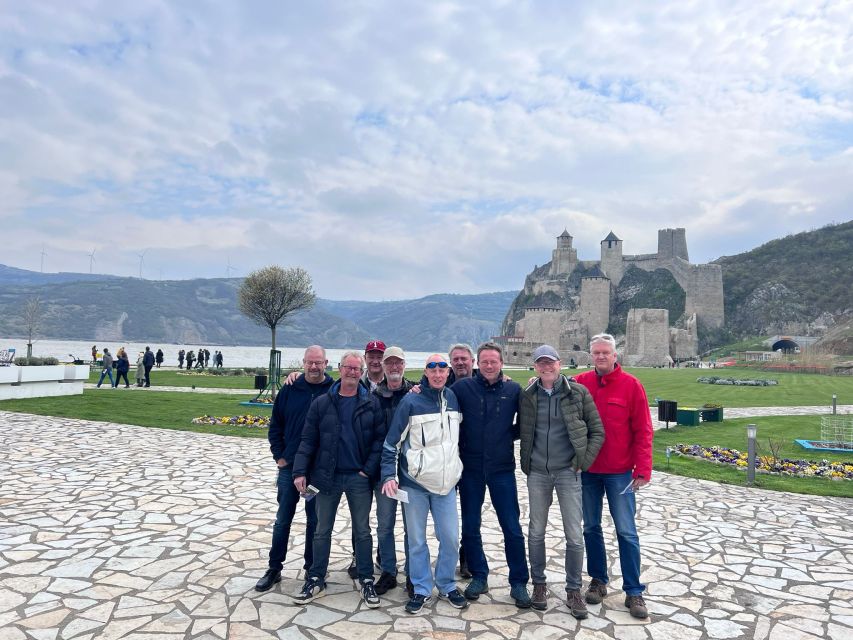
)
(433, 365)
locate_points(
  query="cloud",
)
(400, 149)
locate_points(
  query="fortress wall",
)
(703, 284)
(672, 243)
(595, 305)
(647, 338)
(554, 286)
(540, 325)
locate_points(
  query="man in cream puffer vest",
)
(421, 457)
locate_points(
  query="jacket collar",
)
(609, 378)
(479, 377)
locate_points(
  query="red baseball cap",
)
(375, 345)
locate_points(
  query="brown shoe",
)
(637, 606)
(540, 597)
(576, 605)
(596, 592)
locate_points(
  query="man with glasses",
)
(285, 432)
(339, 454)
(623, 466)
(424, 438)
(489, 404)
(373, 373)
(561, 435)
(393, 388)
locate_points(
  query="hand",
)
(389, 489)
(291, 377)
(639, 483)
(532, 380)
(300, 484)
(281, 462)
(415, 389)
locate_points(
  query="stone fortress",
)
(567, 301)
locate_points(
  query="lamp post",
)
(750, 454)
(834, 403)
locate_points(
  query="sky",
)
(396, 149)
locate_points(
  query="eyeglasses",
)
(350, 368)
(433, 365)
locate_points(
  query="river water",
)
(233, 356)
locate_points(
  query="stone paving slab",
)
(117, 531)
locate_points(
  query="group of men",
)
(373, 435)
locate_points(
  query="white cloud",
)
(364, 140)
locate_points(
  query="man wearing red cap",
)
(374, 374)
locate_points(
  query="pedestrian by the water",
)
(94, 353)
(140, 369)
(284, 435)
(181, 355)
(623, 467)
(122, 367)
(107, 362)
(148, 361)
(561, 434)
(218, 359)
(207, 358)
(190, 359)
(158, 358)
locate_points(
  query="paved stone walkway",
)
(113, 531)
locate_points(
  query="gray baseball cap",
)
(545, 351)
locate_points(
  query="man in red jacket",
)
(623, 466)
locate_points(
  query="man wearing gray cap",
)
(561, 434)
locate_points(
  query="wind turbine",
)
(141, 261)
(43, 254)
(91, 259)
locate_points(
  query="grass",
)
(171, 378)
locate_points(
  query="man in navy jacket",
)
(489, 405)
(285, 432)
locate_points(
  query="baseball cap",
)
(545, 351)
(375, 345)
(393, 352)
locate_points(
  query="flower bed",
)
(239, 421)
(738, 382)
(767, 464)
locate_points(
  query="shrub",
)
(35, 362)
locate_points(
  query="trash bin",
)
(667, 411)
(261, 382)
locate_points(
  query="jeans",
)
(386, 520)
(107, 372)
(446, 524)
(359, 497)
(504, 495)
(288, 499)
(540, 487)
(622, 510)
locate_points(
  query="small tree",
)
(32, 321)
(269, 295)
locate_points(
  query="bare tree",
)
(269, 295)
(32, 321)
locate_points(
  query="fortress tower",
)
(595, 304)
(611, 258)
(672, 243)
(564, 258)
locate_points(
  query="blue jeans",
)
(288, 499)
(446, 524)
(359, 497)
(107, 372)
(622, 510)
(504, 495)
(386, 520)
(540, 487)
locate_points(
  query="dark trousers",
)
(147, 375)
(120, 375)
(288, 499)
(504, 495)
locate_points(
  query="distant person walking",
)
(122, 367)
(148, 361)
(181, 355)
(108, 368)
(190, 359)
(206, 357)
(159, 358)
(94, 353)
(140, 369)
(218, 359)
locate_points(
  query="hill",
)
(204, 311)
(798, 284)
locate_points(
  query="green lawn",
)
(172, 378)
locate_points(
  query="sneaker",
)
(456, 599)
(268, 580)
(637, 606)
(596, 592)
(352, 570)
(368, 594)
(417, 603)
(576, 605)
(521, 596)
(385, 583)
(476, 588)
(312, 589)
(539, 601)
(410, 588)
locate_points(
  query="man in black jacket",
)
(285, 432)
(339, 454)
(148, 363)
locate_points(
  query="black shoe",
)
(456, 599)
(463, 570)
(269, 579)
(368, 594)
(416, 604)
(352, 570)
(311, 590)
(385, 583)
(410, 588)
